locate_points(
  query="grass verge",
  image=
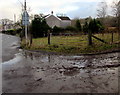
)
(74, 44)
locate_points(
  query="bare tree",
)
(116, 12)
(102, 11)
(118, 15)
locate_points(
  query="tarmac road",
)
(9, 46)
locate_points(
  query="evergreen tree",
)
(95, 26)
(78, 25)
(39, 27)
(85, 27)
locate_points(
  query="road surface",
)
(36, 72)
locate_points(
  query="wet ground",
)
(9, 46)
(33, 72)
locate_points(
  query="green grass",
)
(73, 44)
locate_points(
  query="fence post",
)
(48, 37)
(112, 37)
(89, 37)
(30, 39)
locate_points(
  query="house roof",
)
(46, 15)
(58, 17)
(63, 18)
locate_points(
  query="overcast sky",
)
(72, 8)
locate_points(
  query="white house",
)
(6, 24)
(59, 21)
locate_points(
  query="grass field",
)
(74, 44)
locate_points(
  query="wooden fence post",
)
(30, 39)
(112, 37)
(48, 37)
(89, 37)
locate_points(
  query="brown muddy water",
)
(35, 72)
(45, 73)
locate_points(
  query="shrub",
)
(70, 28)
(39, 27)
(95, 26)
(13, 31)
(78, 25)
(85, 27)
(56, 30)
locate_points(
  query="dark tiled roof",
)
(63, 18)
(46, 15)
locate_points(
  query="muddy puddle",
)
(32, 72)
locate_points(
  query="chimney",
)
(51, 12)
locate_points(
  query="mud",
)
(39, 73)
(36, 72)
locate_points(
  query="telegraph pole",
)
(14, 18)
(25, 20)
(25, 6)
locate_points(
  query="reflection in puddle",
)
(18, 58)
(54, 60)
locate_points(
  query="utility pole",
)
(3, 25)
(14, 18)
(25, 6)
(14, 21)
(25, 20)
